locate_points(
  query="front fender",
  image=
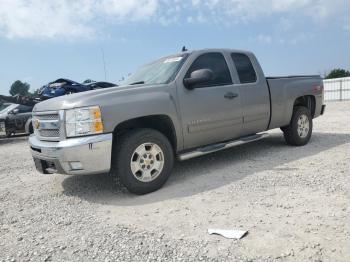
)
(118, 109)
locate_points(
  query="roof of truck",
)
(228, 50)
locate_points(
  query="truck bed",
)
(292, 76)
(284, 90)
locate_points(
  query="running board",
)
(221, 146)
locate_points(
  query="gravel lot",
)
(293, 201)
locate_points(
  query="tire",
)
(31, 129)
(142, 160)
(299, 131)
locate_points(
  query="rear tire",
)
(299, 131)
(142, 160)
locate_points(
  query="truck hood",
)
(89, 98)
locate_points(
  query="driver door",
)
(211, 111)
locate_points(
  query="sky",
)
(41, 41)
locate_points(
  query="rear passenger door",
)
(254, 92)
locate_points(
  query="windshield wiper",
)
(138, 83)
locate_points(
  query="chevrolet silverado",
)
(181, 106)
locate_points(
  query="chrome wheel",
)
(147, 162)
(303, 126)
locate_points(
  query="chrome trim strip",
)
(48, 122)
(93, 152)
(45, 113)
(61, 117)
(71, 142)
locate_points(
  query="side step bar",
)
(221, 146)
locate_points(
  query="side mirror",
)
(15, 111)
(198, 77)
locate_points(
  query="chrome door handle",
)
(230, 95)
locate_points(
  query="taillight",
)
(317, 88)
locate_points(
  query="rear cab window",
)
(244, 67)
(215, 62)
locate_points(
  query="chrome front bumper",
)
(74, 156)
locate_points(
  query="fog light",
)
(76, 165)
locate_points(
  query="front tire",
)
(143, 160)
(299, 131)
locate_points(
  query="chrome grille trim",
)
(49, 125)
(48, 117)
(50, 133)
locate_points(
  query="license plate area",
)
(44, 166)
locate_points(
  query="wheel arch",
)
(308, 101)
(161, 123)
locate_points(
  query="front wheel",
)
(299, 131)
(143, 160)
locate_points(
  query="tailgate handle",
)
(230, 95)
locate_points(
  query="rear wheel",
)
(299, 131)
(143, 160)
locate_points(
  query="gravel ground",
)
(293, 201)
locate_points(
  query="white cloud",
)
(65, 18)
(84, 18)
(129, 10)
(264, 39)
(254, 9)
(285, 24)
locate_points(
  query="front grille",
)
(49, 133)
(47, 126)
(47, 117)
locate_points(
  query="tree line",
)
(21, 88)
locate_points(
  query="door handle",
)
(230, 95)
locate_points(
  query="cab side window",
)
(244, 68)
(216, 63)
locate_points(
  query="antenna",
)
(104, 63)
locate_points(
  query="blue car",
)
(64, 86)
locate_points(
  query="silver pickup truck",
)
(181, 106)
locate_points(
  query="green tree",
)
(35, 93)
(19, 88)
(337, 73)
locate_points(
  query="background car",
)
(16, 119)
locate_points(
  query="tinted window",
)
(244, 68)
(215, 62)
(3, 107)
(24, 109)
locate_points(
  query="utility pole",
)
(104, 63)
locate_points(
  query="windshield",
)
(4, 108)
(161, 71)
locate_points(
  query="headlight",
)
(84, 121)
